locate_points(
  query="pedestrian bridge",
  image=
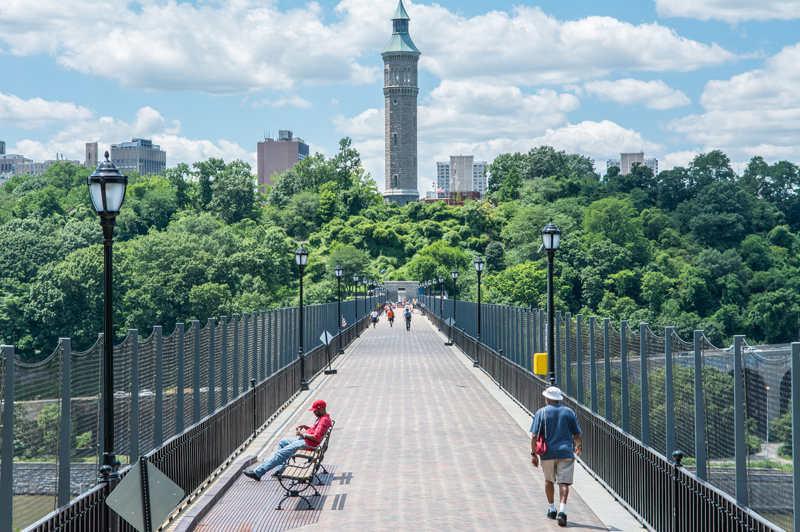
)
(425, 438)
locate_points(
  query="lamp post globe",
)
(301, 258)
(107, 188)
(479, 265)
(551, 237)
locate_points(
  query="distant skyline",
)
(671, 78)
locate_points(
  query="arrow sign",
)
(450, 321)
(326, 337)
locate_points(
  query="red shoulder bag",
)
(540, 447)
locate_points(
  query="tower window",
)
(394, 139)
(394, 181)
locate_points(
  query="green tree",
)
(613, 219)
(206, 172)
(233, 192)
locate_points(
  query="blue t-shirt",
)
(560, 424)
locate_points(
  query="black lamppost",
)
(301, 258)
(107, 188)
(338, 271)
(551, 236)
(365, 282)
(441, 296)
(479, 264)
(454, 275)
(355, 283)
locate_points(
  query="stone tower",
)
(400, 58)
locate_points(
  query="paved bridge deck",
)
(422, 442)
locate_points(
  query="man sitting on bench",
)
(306, 437)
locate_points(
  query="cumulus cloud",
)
(528, 47)
(238, 46)
(287, 99)
(732, 11)
(755, 113)
(36, 112)
(148, 123)
(653, 94)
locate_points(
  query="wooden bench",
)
(301, 469)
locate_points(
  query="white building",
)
(461, 174)
(627, 160)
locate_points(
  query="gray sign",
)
(126, 499)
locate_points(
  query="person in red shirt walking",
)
(306, 437)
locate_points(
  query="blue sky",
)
(672, 78)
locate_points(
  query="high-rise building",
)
(2, 147)
(91, 155)
(461, 174)
(400, 90)
(627, 160)
(277, 156)
(140, 155)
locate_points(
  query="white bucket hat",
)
(553, 393)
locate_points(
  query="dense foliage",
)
(695, 247)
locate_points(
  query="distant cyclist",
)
(390, 315)
(408, 319)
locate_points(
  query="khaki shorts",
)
(559, 471)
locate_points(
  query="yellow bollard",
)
(540, 363)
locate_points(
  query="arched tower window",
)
(394, 181)
(394, 139)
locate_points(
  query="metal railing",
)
(664, 394)
(198, 379)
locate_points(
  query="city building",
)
(28, 167)
(9, 162)
(400, 90)
(140, 155)
(461, 174)
(627, 160)
(2, 147)
(91, 160)
(453, 198)
(277, 156)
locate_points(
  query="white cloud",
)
(36, 112)
(653, 94)
(755, 113)
(678, 158)
(287, 99)
(148, 124)
(528, 47)
(236, 46)
(732, 11)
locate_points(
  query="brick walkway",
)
(419, 444)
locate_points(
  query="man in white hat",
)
(559, 425)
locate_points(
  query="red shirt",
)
(321, 426)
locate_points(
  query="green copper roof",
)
(401, 12)
(400, 42)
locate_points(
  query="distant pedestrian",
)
(374, 318)
(559, 426)
(407, 315)
(390, 316)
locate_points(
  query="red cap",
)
(319, 403)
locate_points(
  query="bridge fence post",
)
(742, 496)
(179, 408)
(66, 415)
(795, 432)
(608, 396)
(542, 335)
(623, 357)
(699, 410)
(568, 353)
(235, 354)
(592, 365)
(668, 391)
(224, 364)
(196, 373)
(263, 371)
(558, 350)
(246, 352)
(7, 462)
(133, 445)
(579, 357)
(645, 398)
(158, 414)
(534, 326)
(212, 355)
